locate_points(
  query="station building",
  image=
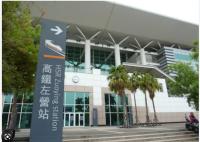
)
(101, 35)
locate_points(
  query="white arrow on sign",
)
(57, 30)
(54, 47)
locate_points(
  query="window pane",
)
(4, 120)
(113, 108)
(107, 108)
(113, 119)
(28, 98)
(79, 108)
(121, 119)
(87, 108)
(25, 120)
(19, 98)
(107, 119)
(86, 98)
(106, 99)
(7, 98)
(66, 119)
(120, 108)
(79, 98)
(120, 102)
(77, 119)
(113, 99)
(114, 104)
(19, 107)
(6, 107)
(18, 116)
(71, 119)
(87, 119)
(27, 108)
(69, 97)
(69, 108)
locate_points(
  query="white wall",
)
(96, 80)
(163, 103)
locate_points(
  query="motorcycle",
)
(191, 126)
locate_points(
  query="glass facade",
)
(76, 104)
(114, 110)
(24, 110)
(182, 57)
(76, 109)
(74, 59)
(100, 59)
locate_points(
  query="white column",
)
(117, 55)
(142, 56)
(97, 99)
(87, 56)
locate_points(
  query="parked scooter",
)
(192, 124)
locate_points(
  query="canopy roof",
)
(106, 16)
(131, 67)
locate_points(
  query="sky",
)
(185, 10)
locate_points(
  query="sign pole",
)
(47, 114)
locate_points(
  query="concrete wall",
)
(162, 116)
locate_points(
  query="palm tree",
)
(144, 85)
(118, 81)
(152, 88)
(133, 85)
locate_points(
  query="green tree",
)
(133, 85)
(186, 83)
(19, 52)
(144, 85)
(152, 88)
(195, 51)
(118, 81)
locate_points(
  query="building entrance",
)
(74, 119)
(76, 109)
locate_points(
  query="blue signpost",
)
(47, 115)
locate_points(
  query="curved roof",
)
(117, 18)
